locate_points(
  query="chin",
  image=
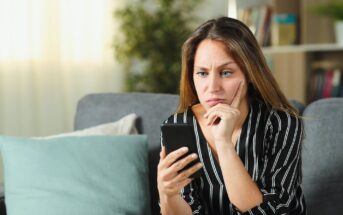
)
(205, 106)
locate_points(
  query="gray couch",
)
(323, 142)
(323, 156)
(322, 147)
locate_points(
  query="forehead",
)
(212, 51)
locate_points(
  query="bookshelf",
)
(310, 65)
(296, 67)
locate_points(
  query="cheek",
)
(198, 88)
(231, 88)
(198, 84)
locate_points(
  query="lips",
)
(214, 101)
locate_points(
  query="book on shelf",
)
(326, 83)
(336, 83)
(258, 19)
(317, 84)
(314, 83)
(341, 86)
(284, 29)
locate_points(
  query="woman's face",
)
(216, 75)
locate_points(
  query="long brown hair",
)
(245, 50)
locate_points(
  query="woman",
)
(248, 135)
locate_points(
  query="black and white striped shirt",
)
(270, 149)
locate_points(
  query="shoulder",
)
(281, 120)
(285, 131)
(276, 118)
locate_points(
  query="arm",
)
(277, 187)
(281, 173)
(280, 176)
(174, 205)
(170, 182)
(241, 189)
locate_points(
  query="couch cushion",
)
(100, 175)
(152, 109)
(323, 156)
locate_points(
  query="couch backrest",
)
(323, 156)
(153, 109)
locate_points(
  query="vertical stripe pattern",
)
(269, 146)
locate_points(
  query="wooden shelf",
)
(303, 48)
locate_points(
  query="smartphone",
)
(176, 136)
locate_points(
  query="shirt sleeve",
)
(281, 171)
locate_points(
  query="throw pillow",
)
(100, 175)
(124, 126)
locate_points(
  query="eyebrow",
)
(222, 65)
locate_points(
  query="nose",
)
(214, 83)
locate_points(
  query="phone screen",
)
(176, 136)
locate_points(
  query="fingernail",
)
(194, 155)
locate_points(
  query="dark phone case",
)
(176, 136)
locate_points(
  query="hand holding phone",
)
(176, 136)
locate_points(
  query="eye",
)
(226, 73)
(201, 73)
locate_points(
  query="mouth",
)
(214, 101)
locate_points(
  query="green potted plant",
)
(334, 10)
(149, 40)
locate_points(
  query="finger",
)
(173, 156)
(236, 100)
(179, 165)
(212, 119)
(215, 115)
(222, 107)
(162, 157)
(163, 153)
(165, 165)
(188, 172)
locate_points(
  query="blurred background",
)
(53, 52)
